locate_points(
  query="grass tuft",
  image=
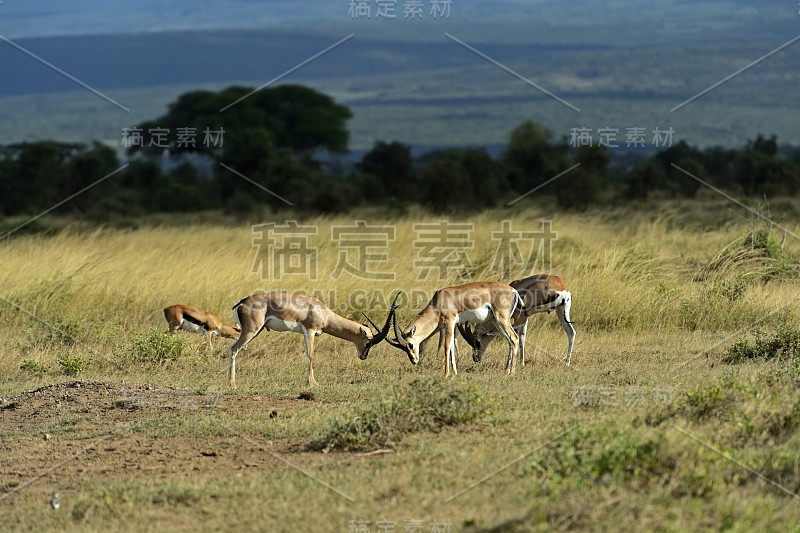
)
(782, 343)
(424, 404)
(156, 347)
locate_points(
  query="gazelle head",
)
(370, 339)
(407, 342)
(230, 332)
(478, 337)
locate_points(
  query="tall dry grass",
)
(654, 292)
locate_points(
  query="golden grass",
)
(641, 319)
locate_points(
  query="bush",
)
(62, 331)
(603, 452)
(783, 343)
(425, 404)
(71, 365)
(157, 347)
(33, 367)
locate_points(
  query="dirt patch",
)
(59, 436)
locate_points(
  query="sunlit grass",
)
(645, 322)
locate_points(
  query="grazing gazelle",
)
(478, 303)
(540, 293)
(281, 311)
(198, 321)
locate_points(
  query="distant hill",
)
(625, 65)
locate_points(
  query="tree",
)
(759, 170)
(531, 157)
(387, 172)
(446, 185)
(643, 179)
(582, 186)
(289, 116)
(486, 178)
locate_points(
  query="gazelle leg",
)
(452, 348)
(309, 338)
(448, 339)
(241, 343)
(523, 333)
(563, 317)
(505, 329)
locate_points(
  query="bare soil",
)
(60, 436)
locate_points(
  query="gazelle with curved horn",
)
(540, 293)
(281, 311)
(478, 303)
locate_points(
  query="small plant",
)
(715, 400)
(422, 405)
(157, 347)
(62, 331)
(783, 343)
(32, 367)
(71, 365)
(603, 452)
(734, 289)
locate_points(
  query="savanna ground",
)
(680, 410)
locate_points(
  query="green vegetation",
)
(156, 347)
(71, 365)
(419, 405)
(287, 141)
(782, 343)
(658, 294)
(33, 367)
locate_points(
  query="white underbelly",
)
(477, 316)
(191, 326)
(276, 324)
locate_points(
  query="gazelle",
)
(281, 311)
(478, 302)
(198, 321)
(540, 293)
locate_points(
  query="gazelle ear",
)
(413, 330)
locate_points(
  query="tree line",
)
(285, 145)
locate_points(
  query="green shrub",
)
(33, 367)
(424, 404)
(783, 343)
(601, 453)
(156, 347)
(715, 400)
(62, 331)
(71, 365)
